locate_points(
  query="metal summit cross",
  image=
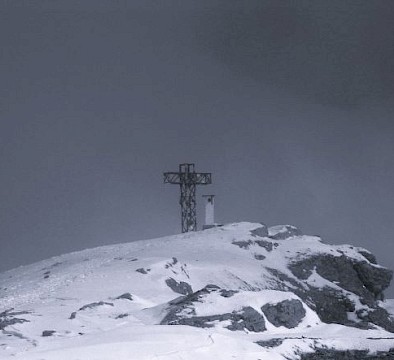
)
(188, 179)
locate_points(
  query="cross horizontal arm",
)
(187, 178)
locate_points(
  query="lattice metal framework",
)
(188, 179)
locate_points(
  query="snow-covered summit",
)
(242, 290)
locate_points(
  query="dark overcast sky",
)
(288, 103)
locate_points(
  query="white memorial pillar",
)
(209, 211)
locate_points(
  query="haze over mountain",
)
(288, 104)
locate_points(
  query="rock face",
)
(331, 305)
(361, 278)
(287, 313)
(181, 311)
(342, 285)
(331, 354)
(180, 287)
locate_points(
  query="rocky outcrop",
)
(47, 333)
(282, 232)
(331, 305)
(89, 307)
(377, 316)
(246, 244)
(94, 305)
(261, 231)
(375, 279)
(361, 278)
(181, 311)
(125, 296)
(332, 354)
(11, 317)
(287, 313)
(180, 287)
(247, 318)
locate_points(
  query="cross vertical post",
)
(188, 179)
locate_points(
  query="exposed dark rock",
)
(283, 281)
(378, 316)
(197, 321)
(181, 312)
(142, 270)
(179, 287)
(94, 305)
(243, 244)
(172, 263)
(282, 232)
(369, 256)
(249, 319)
(267, 245)
(9, 317)
(184, 301)
(332, 354)
(361, 278)
(121, 316)
(259, 257)
(260, 231)
(287, 313)
(270, 343)
(373, 278)
(47, 333)
(126, 296)
(227, 293)
(332, 306)
(195, 296)
(73, 315)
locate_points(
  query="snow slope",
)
(136, 300)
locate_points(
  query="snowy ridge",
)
(238, 291)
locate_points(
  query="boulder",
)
(47, 333)
(287, 313)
